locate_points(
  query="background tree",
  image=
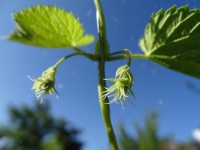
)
(35, 128)
(147, 138)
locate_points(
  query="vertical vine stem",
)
(105, 109)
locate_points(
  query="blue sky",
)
(155, 86)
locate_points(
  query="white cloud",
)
(196, 134)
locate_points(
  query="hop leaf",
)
(172, 39)
(50, 27)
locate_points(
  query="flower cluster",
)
(122, 85)
(45, 84)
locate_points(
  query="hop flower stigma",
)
(122, 86)
(44, 85)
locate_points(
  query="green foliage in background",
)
(147, 138)
(34, 128)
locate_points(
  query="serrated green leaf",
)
(172, 39)
(50, 27)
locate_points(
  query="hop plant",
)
(171, 39)
(123, 82)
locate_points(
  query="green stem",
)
(105, 110)
(124, 51)
(102, 25)
(66, 57)
(88, 55)
(133, 56)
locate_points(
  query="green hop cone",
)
(123, 82)
(44, 85)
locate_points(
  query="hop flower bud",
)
(45, 84)
(123, 82)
